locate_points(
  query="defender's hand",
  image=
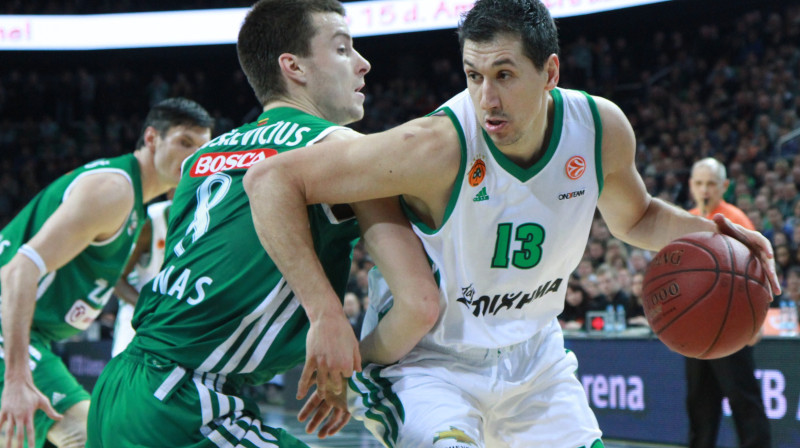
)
(331, 355)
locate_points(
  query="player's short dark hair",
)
(175, 112)
(273, 27)
(528, 19)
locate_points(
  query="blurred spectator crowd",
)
(725, 89)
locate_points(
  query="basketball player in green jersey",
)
(220, 315)
(62, 255)
(501, 185)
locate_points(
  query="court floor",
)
(355, 436)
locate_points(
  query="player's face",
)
(336, 71)
(177, 143)
(509, 93)
(706, 187)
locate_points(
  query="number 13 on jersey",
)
(528, 237)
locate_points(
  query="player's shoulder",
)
(610, 112)
(433, 138)
(103, 187)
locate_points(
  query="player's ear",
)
(552, 68)
(150, 135)
(292, 67)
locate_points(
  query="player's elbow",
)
(19, 271)
(427, 311)
(256, 178)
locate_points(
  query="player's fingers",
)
(48, 409)
(310, 405)
(8, 427)
(335, 423)
(356, 362)
(306, 379)
(19, 432)
(31, 432)
(3, 418)
(760, 246)
(775, 284)
(727, 227)
(319, 416)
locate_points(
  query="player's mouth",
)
(358, 90)
(493, 125)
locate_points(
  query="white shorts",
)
(525, 395)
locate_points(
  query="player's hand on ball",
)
(756, 242)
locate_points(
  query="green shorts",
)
(144, 400)
(53, 379)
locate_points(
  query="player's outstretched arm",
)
(20, 398)
(401, 160)
(96, 208)
(636, 217)
(399, 255)
(280, 218)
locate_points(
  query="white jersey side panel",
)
(512, 236)
(149, 268)
(143, 271)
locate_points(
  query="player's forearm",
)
(280, 217)
(661, 223)
(397, 333)
(126, 292)
(402, 262)
(19, 279)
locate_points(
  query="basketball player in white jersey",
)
(500, 184)
(144, 264)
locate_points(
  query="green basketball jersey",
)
(219, 304)
(70, 298)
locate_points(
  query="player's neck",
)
(533, 142)
(152, 185)
(297, 102)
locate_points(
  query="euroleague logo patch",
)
(214, 162)
(575, 167)
(477, 173)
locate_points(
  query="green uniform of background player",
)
(220, 314)
(61, 256)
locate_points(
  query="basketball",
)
(705, 295)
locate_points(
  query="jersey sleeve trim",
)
(326, 132)
(598, 141)
(72, 184)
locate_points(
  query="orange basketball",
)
(705, 295)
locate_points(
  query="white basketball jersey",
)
(511, 236)
(144, 270)
(149, 267)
